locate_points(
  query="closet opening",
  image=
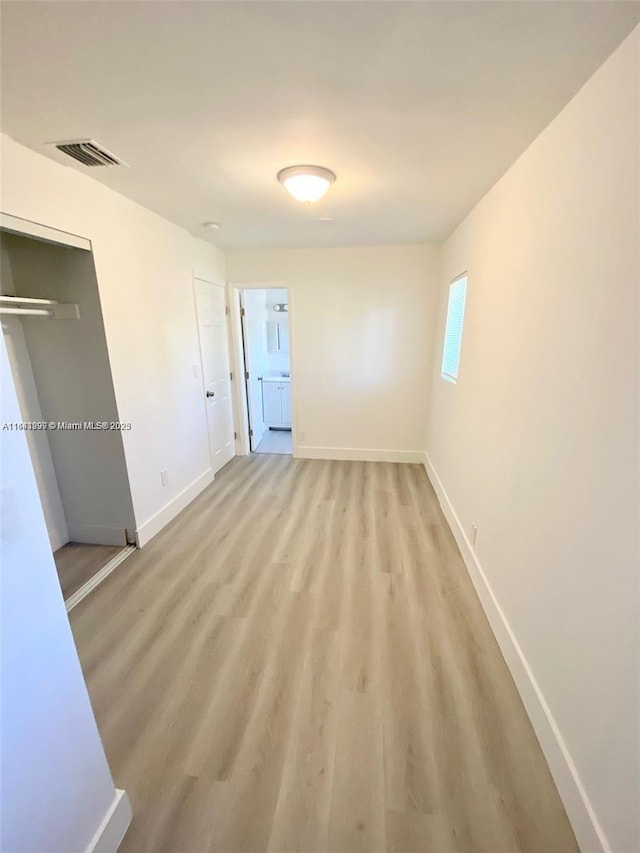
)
(54, 333)
(265, 319)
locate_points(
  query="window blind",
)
(453, 329)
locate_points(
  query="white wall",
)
(56, 785)
(144, 267)
(361, 338)
(538, 441)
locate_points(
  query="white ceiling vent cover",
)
(88, 152)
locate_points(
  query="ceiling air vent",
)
(88, 152)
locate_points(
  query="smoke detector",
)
(88, 152)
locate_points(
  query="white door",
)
(216, 380)
(254, 330)
(37, 440)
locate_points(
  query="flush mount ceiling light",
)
(306, 183)
(212, 226)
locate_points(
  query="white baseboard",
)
(94, 534)
(357, 454)
(112, 829)
(589, 833)
(154, 525)
(99, 576)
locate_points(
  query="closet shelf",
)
(28, 306)
(27, 300)
(27, 312)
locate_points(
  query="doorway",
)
(54, 334)
(267, 362)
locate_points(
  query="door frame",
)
(241, 412)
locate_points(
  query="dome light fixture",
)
(306, 183)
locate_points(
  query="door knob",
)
(211, 393)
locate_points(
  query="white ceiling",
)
(418, 107)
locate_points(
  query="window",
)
(453, 330)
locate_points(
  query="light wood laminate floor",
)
(299, 662)
(76, 563)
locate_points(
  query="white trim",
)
(99, 576)
(25, 227)
(293, 385)
(260, 285)
(154, 525)
(95, 534)
(359, 454)
(114, 826)
(589, 833)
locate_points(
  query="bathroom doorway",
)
(265, 331)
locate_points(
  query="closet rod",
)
(29, 312)
(27, 300)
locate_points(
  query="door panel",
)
(286, 404)
(38, 441)
(271, 396)
(214, 351)
(254, 327)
